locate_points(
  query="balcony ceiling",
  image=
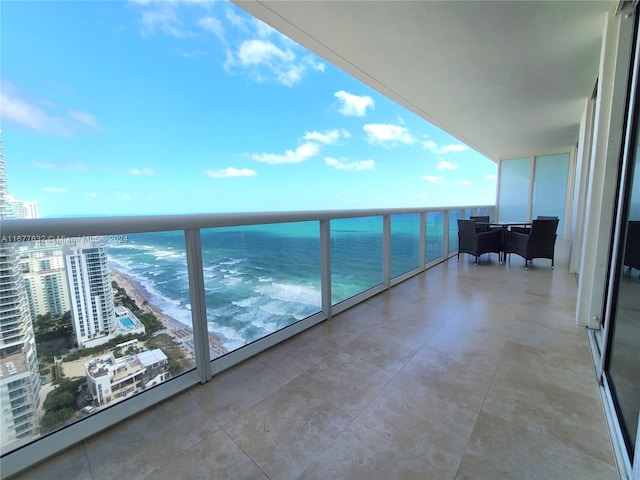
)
(506, 78)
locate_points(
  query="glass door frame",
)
(629, 160)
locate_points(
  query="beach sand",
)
(180, 332)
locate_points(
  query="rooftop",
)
(461, 372)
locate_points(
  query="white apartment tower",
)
(21, 208)
(91, 294)
(19, 372)
(43, 271)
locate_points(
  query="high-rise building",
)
(19, 372)
(21, 208)
(91, 294)
(43, 271)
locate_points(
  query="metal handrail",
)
(51, 228)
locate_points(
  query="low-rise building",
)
(111, 379)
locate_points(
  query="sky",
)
(171, 107)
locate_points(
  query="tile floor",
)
(465, 372)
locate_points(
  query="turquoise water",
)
(126, 322)
(259, 279)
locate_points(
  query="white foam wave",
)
(229, 337)
(247, 302)
(306, 295)
(233, 261)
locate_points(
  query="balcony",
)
(459, 372)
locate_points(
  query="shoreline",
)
(177, 330)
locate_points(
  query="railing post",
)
(422, 254)
(193, 248)
(325, 266)
(445, 233)
(386, 251)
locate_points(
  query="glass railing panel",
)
(468, 212)
(435, 236)
(117, 332)
(356, 256)
(259, 279)
(405, 243)
(454, 215)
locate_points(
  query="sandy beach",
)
(180, 332)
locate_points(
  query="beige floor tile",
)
(502, 450)
(420, 420)
(550, 339)
(308, 348)
(557, 367)
(71, 464)
(237, 390)
(550, 409)
(388, 351)
(457, 379)
(135, 448)
(216, 457)
(361, 453)
(284, 433)
(345, 381)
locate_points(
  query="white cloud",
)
(142, 171)
(235, 19)
(83, 118)
(34, 117)
(382, 133)
(354, 105)
(75, 167)
(263, 60)
(444, 165)
(463, 182)
(193, 53)
(252, 52)
(300, 154)
(213, 25)
(314, 64)
(342, 164)
(54, 190)
(230, 172)
(262, 29)
(328, 137)
(490, 177)
(162, 17)
(444, 149)
(434, 179)
(253, 48)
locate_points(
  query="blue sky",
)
(118, 108)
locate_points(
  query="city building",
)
(21, 208)
(91, 293)
(111, 379)
(43, 271)
(19, 372)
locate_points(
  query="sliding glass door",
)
(620, 367)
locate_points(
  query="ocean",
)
(259, 279)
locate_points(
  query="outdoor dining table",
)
(505, 225)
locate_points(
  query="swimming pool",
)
(126, 322)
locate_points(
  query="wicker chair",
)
(476, 243)
(527, 230)
(540, 243)
(481, 218)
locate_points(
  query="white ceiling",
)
(508, 78)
